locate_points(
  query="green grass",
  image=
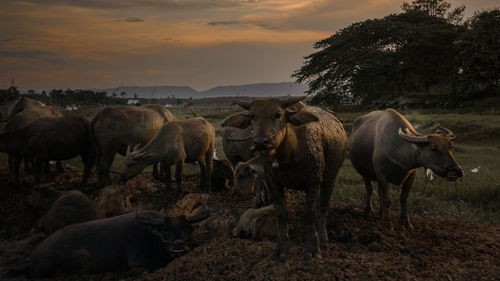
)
(477, 145)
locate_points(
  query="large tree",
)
(480, 53)
(408, 52)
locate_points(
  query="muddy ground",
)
(360, 249)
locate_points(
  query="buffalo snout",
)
(178, 247)
(454, 173)
(261, 143)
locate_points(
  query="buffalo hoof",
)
(406, 224)
(369, 212)
(278, 255)
(308, 256)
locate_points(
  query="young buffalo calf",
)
(51, 139)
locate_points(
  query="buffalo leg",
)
(203, 172)
(324, 202)
(88, 162)
(59, 167)
(310, 218)
(282, 244)
(369, 192)
(385, 201)
(403, 199)
(37, 169)
(179, 165)
(209, 161)
(156, 175)
(28, 163)
(167, 173)
(102, 164)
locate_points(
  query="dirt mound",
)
(359, 249)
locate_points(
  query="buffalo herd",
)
(272, 144)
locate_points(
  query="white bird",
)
(475, 170)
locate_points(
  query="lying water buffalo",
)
(145, 239)
(66, 208)
(51, 139)
(115, 128)
(177, 142)
(257, 224)
(250, 175)
(22, 114)
(386, 148)
(301, 150)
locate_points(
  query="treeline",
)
(426, 49)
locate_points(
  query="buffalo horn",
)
(447, 132)
(291, 101)
(198, 217)
(412, 138)
(137, 146)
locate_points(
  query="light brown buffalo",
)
(250, 175)
(115, 128)
(386, 148)
(190, 140)
(301, 150)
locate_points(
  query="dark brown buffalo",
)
(222, 173)
(386, 148)
(146, 239)
(190, 140)
(299, 149)
(22, 113)
(116, 128)
(51, 139)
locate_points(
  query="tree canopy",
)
(419, 50)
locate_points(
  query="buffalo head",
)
(436, 152)
(269, 119)
(135, 162)
(245, 175)
(173, 231)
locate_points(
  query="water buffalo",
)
(299, 149)
(250, 175)
(115, 128)
(386, 148)
(66, 208)
(257, 223)
(144, 239)
(21, 114)
(222, 173)
(177, 142)
(51, 139)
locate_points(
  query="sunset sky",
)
(47, 44)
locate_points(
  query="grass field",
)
(475, 197)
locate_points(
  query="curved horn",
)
(291, 101)
(412, 138)
(198, 217)
(446, 131)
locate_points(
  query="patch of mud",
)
(360, 249)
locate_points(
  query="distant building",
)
(134, 102)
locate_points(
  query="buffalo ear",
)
(300, 118)
(239, 120)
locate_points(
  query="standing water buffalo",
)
(302, 150)
(386, 148)
(145, 239)
(51, 139)
(115, 128)
(21, 113)
(177, 142)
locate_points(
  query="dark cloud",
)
(134, 19)
(123, 4)
(6, 40)
(214, 23)
(24, 54)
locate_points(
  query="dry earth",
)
(438, 249)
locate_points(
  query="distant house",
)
(169, 106)
(134, 102)
(71, 107)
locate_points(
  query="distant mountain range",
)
(249, 90)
